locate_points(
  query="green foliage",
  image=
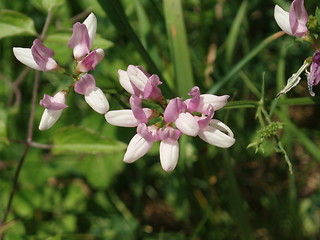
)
(14, 23)
(73, 183)
(47, 5)
(80, 140)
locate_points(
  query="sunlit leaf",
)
(80, 140)
(14, 23)
(47, 5)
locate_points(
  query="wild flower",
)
(165, 120)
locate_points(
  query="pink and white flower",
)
(169, 147)
(53, 109)
(167, 121)
(137, 81)
(93, 95)
(37, 57)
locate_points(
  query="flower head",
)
(166, 121)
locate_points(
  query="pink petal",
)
(298, 18)
(173, 109)
(79, 41)
(43, 56)
(57, 102)
(136, 106)
(151, 89)
(86, 84)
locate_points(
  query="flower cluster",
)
(41, 58)
(166, 120)
(299, 24)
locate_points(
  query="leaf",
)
(14, 23)
(83, 141)
(59, 42)
(100, 42)
(179, 46)
(100, 169)
(47, 5)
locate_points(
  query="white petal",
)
(49, 117)
(137, 77)
(282, 19)
(137, 148)
(124, 118)
(100, 54)
(91, 24)
(97, 100)
(169, 154)
(187, 124)
(217, 102)
(218, 134)
(125, 81)
(24, 55)
(60, 97)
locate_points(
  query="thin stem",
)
(46, 25)
(26, 150)
(29, 133)
(33, 106)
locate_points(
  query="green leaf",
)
(59, 42)
(100, 42)
(14, 23)
(80, 140)
(179, 46)
(100, 169)
(47, 5)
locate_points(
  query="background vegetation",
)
(73, 183)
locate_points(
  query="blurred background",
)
(73, 183)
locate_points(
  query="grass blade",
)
(234, 32)
(254, 52)
(117, 16)
(179, 46)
